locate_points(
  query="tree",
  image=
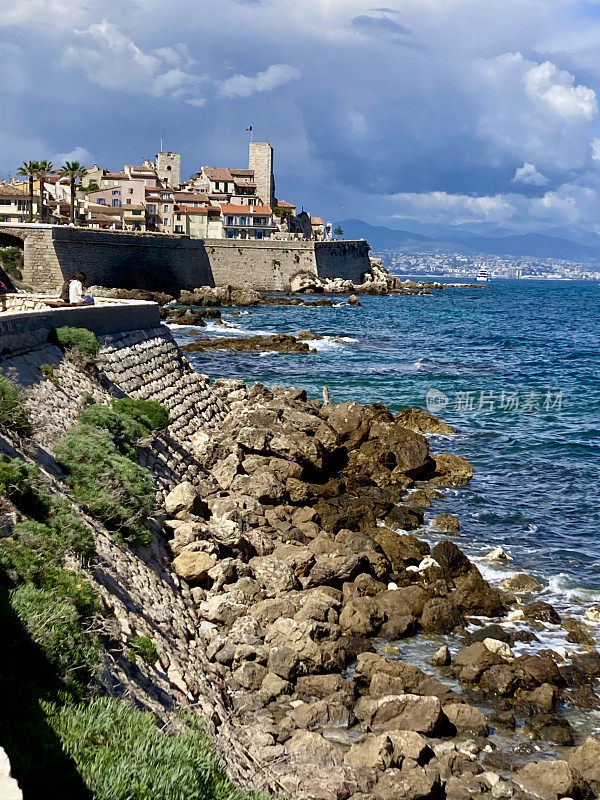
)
(43, 168)
(29, 169)
(338, 231)
(74, 171)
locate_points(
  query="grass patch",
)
(48, 372)
(24, 486)
(13, 415)
(80, 339)
(143, 647)
(55, 619)
(122, 755)
(112, 486)
(149, 413)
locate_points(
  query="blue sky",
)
(437, 111)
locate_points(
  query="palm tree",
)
(43, 168)
(29, 169)
(72, 170)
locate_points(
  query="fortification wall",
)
(31, 328)
(170, 263)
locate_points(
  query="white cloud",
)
(596, 149)
(556, 89)
(529, 175)
(452, 208)
(114, 61)
(246, 85)
(76, 154)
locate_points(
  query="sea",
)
(514, 366)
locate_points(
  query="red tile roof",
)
(283, 204)
(218, 174)
(316, 221)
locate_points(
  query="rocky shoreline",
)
(308, 578)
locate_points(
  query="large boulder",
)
(193, 566)
(407, 712)
(273, 574)
(474, 595)
(309, 747)
(467, 718)
(586, 760)
(451, 470)
(184, 500)
(402, 549)
(361, 617)
(552, 780)
(412, 784)
(421, 421)
(372, 752)
(440, 615)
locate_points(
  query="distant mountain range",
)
(462, 239)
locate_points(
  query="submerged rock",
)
(278, 343)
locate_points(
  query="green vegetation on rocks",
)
(11, 261)
(13, 415)
(143, 647)
(149, 413)
(122, 755)
(80, 339)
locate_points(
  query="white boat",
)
(483, 275)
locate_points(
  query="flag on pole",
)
(249, 128)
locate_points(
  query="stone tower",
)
(168, 167)
(261, 161)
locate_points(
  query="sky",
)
(453, 112)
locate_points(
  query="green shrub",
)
(150, 413)
(122, 755)
(80, 339)
(11, 259)
(144, 647)
(124, 430)
(13, 415)
(23, 484)
(34, 551)
(47, 371)
(113, 487)
(54, 622)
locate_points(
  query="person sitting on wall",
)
(3, 293)
(72, 294)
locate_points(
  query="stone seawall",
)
(171, 263)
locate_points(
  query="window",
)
(178, 217)
(136, 213)
(151, 208)
(130, 191)
(178, 228)
(165, 207)
(116, 202)
(166, 195)
(230, 221)
(166, 221)
(128, 201)
(229, 234)
(259, 234)
(101, 201)
(244, 220)
(116, 191)
(5, 202)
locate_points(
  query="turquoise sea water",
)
(518, 365)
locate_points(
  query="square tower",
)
(168, 168)
(261, 162)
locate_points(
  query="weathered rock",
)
(440, 615)
(402, 549)
(322, 686)
(274, 574)
(522, 584)
(407, 712)
(361, 617)
(322, 714)
(372, 752)
(446, 523)
(441, 657)
(250, 675)
(421, 421)
(578, 632)
(414, 784)
(467, 718)
(539, 670)
(543, 698)
(284, 662)
(183, 500)
(500, 680)
(474, 595)
(451, 470)
(193, 566)
(410, 745)
(308, 747)
(297, 636)
(552, 780)
(472, 661)
(541, 611)
(277, 343)
(274, 686)
(586, 760)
